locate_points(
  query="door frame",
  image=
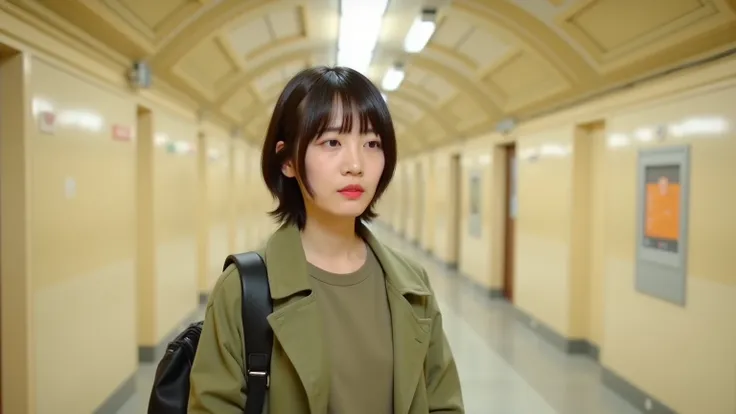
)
(511, 190)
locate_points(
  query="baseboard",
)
(573, 346)
(118, 398)
(491, 293)
(147, 353)
(634, 395)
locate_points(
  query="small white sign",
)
(46, 122)
(70, 188)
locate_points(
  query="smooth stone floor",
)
(505, 368)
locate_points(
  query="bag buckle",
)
(260, 374)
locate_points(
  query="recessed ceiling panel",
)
(250, 36)
(269, 81)
(206, 63)
(470, 42)
(290, 69)
(481, 47)
(441, 89)
(270, 84)
(525, 79)
(153, 12)
(238, 103)
(415, 76)
(409, 111)
(257, 34)
(451, 32)
(430, 131)
(286, 23)
(604, 20)
(432, 88)
(467, 113)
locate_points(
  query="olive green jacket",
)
(425, 375)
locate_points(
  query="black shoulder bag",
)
(170, 392)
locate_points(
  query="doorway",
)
(9, 62)
(455, 208)
(419, 218)
(510, 212)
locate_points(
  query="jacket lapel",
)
(297, 325)
(411, 333)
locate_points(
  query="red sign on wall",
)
(46, 122)
(122, 133)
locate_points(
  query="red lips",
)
(352, 192)
(352, 188)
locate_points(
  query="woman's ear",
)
(287, 168)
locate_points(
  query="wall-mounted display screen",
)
(662, 211)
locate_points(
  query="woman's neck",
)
(332, 244)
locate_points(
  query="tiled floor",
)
(505, 368)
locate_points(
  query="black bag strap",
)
(258, 335)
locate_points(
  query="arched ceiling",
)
(488, 60)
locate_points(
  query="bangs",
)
(334, 103)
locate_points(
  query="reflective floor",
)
(504, 367)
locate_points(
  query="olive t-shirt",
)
(359, 341)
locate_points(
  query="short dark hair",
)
(302, 113)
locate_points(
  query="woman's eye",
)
(332, 143)
(374, 144)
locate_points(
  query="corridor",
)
(505, 368)
(573, 157)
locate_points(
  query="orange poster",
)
(663, 210)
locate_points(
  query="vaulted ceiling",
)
(487, 61)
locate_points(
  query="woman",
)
(356, 326)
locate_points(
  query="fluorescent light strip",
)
(360, 27)
(392, 80)
(419, 34)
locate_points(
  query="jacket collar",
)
(297, 326)
(284, 256)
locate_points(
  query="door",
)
(456, 200)
(510, 219)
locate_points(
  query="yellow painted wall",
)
(543, 227)
(475, 246)
(684, 356)
(239, 227)
(446, 204)
(105, 243)
(219, 198)
(82, 241)
(575, 232)
(427, 202)
(175, 220)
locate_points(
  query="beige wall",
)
(175, 220)
(642, 335)
(82, 227)
(215, 144)
(575, 232)
(105, 243)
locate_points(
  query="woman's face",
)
(343, 170)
